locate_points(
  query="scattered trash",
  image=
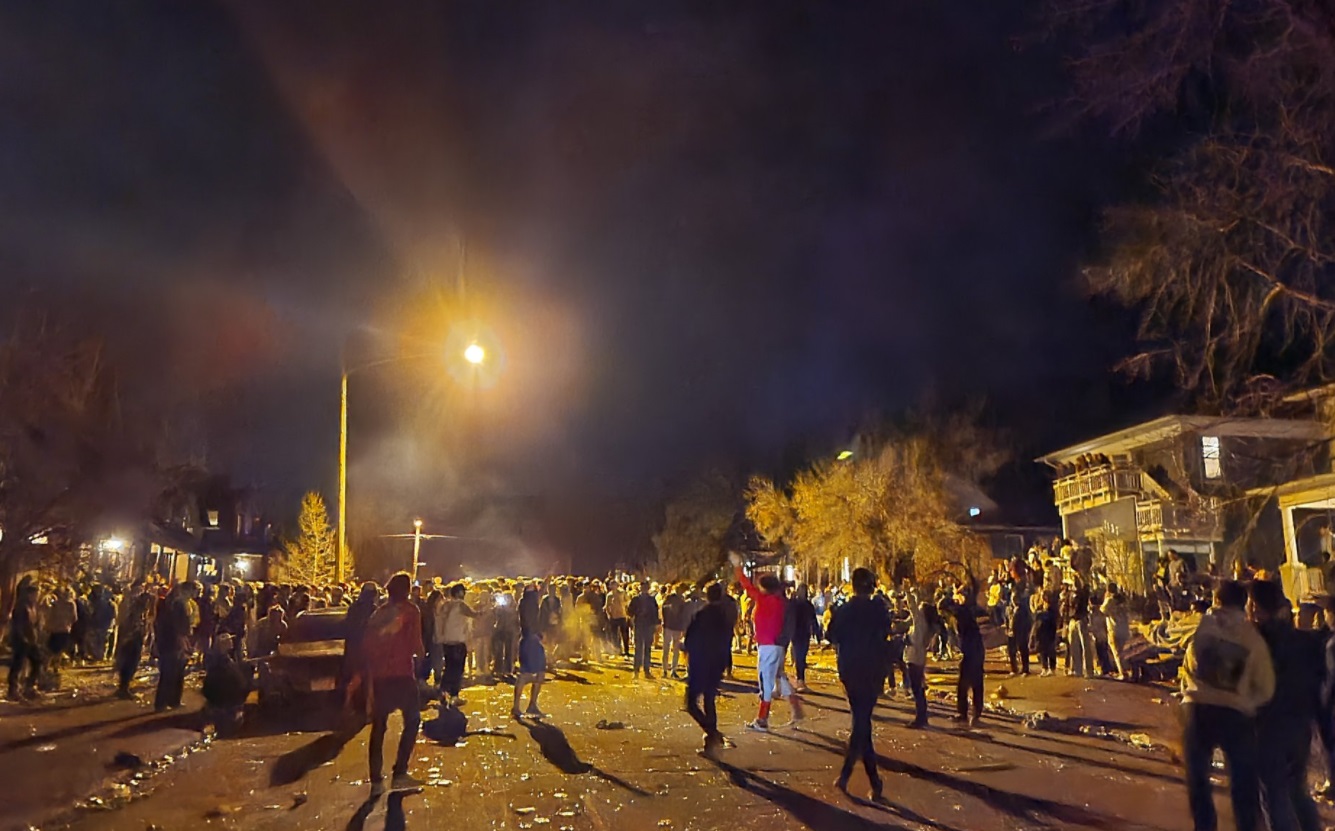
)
(523, 812)
(1001, 693)
(298, 800)
(1039, 720)
(604, 724)
(665, 823)
(46, 748)
(1141, 740)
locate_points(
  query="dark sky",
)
(704, 232)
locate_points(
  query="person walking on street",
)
(1284, 724)
(1226, 676)
(802, 620)
(860, 628)
(708, 645)
(644, 613)
(392, 646)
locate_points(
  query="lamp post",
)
(474, 354)
(417, 546)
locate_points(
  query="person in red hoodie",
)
(393, 640)
(769, 612)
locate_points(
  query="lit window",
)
(1210, 455)
(213, 519)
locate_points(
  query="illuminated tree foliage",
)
(1230, 257)
(892, 502)
(309, 559)
(692, 543)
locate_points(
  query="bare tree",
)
(1230, 256)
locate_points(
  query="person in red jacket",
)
(769, 612)
(393, 643)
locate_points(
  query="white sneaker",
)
(759, 726)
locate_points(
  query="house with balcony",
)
(1177, 482)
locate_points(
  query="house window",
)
(213, 519)
(1210, 455)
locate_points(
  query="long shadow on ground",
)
(1030, 809)
(556, 749)
(808, 810)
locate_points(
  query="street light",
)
(417, 546)
(473, 354)
(844, 455)
(114, 544)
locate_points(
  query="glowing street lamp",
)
(474, 354)
(844, 455)
(417, 546)
(114, 544)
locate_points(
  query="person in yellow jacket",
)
(1227, 675)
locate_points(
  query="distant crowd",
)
(1254, 685)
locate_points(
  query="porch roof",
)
(1316, 492)
(1170, 426)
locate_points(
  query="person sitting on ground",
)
(226, 687)
(532, 669)
(269, 631)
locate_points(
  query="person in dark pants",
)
(1284, 725)
(733, 611)
(130, 646)
(1045, 636)
(802, 616)
(922, 623)
(971, 656)
(1019, 623)
(708, 645)
(1325, 726)
(859, 628)
(174, 641)
(23, 642)
(644, 616)
(392, 645)
(1227, 675)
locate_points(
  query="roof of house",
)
(1171, 426)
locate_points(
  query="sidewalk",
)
(61, 750)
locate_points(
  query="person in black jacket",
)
(972, 653)
(859, 629)
(708, 646)
(1284, 725)
(801, 625)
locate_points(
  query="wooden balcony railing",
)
(1198, 519)
(1096, 486)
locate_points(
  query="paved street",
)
(568, 773)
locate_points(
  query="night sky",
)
(705, 233)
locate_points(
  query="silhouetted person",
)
(860, 628)
(708, 645)
(393, 643)
(1284, 725)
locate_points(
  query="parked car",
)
(306, 667)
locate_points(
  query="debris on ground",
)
(604, 724)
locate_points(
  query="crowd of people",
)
(1254, 685)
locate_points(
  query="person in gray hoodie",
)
(1226, 677)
